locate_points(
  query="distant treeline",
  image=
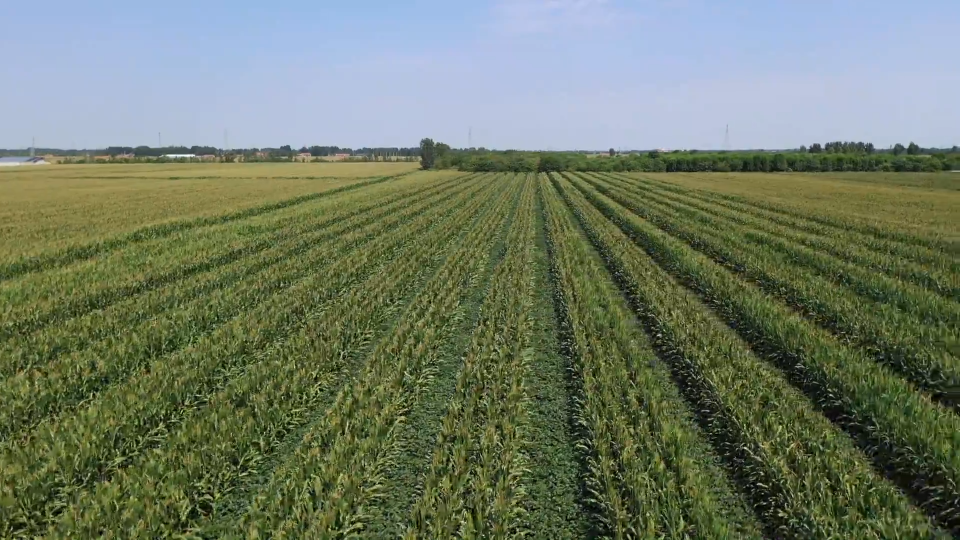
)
(834, 156)
(828, 157)
(695, 162)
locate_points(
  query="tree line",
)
(440, 156)
(850, 147)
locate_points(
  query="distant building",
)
(18, 161)
(209, 157)
(180, 156)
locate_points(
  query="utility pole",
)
(33, 147)
(159, 141)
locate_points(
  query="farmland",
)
(339, 350)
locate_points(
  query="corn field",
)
(480, 355)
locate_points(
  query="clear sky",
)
(531, 74)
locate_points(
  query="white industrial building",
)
(18, 161)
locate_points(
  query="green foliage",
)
(368, 361)
(428, 154)
(552, 163)
(845, 147)
(638, 431)
(483, 433)
(862, 397)
(514, 161)
(812, 281)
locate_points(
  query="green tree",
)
(443, 154)
(815, 148)
(550, 163)
(428, 154)
(779, 163)
(932, 165)
(613, 152)
(441, 149)
(913, 149)
(898, 149)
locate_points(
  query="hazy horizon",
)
(523, 74)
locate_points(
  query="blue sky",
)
(532, 74)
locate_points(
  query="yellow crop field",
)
(374, 351)
(52, 206)
(922, 203)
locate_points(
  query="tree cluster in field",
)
(829, 158)
(434, 155)
(840, 147)
(850, 147)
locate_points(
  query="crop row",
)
(926, 305)
(54, 297)
(73, 254)
(473, 485)
(412, 444)
(920, 350)
(188, 479)
(805, 477)
(152, 310)
(80, 449)
(327, 487)
(30, 395)
(880, 239)
(650, 473)
(933, 279)
(883, 237)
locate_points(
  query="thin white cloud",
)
(541, 16)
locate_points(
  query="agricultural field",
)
(60, 206)
(390, 353)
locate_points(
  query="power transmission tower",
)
(470, 137)
(726, 139)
